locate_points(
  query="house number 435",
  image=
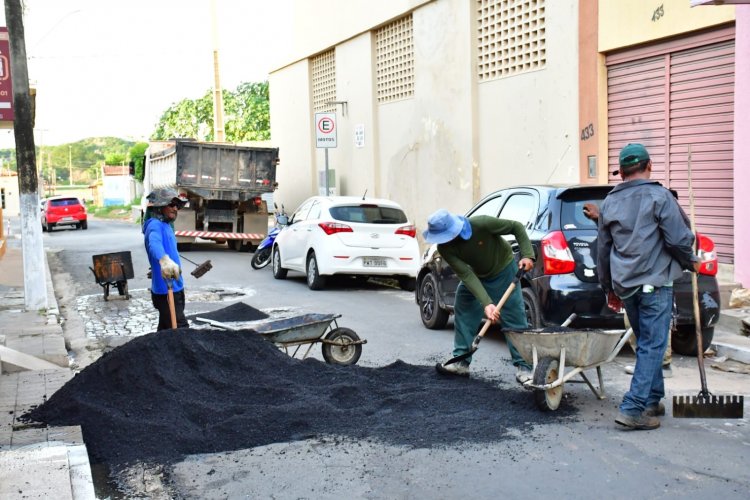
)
(658, 13)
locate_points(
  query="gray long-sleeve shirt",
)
(643, 238)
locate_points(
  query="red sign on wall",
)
(6, 87)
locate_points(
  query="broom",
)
(704, 405)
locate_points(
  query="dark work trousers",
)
(162, 305)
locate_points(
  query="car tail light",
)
(409, 230)
(334, 227)
(707, 255)
(556, 254)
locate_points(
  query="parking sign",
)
(325, 130)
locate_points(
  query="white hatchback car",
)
(347, 235)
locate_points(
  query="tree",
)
(115, 159)
(246, 116)
(137, 155)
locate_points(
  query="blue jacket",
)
(160, 240)
(643, 238)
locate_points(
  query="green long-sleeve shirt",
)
(486, 253)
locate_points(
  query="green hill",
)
(82, 159)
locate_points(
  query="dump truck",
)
(224, 185)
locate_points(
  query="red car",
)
(64, 211)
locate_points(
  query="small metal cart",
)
(551, 352)
(340, 346)
(113, 269)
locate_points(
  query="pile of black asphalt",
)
(238, 311)
(173, 393)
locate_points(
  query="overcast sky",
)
(111, 67)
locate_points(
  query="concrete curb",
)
(731, 351)
(731, 319)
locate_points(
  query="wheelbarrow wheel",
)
(346, 353)
(547, 371)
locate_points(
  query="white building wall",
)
(355, 167)
(117, 190)
(426, 142)
(292, 133)
(455, 140)
(322, 24)
(12, 197)
(528, 123)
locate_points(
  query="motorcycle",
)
(263, 253)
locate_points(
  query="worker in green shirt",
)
(483, 261)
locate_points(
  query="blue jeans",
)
(469, 313)
(649, 314)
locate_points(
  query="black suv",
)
(564, 279)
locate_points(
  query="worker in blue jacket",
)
(161, 246)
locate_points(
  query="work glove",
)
(169, 269)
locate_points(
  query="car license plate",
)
(373, 262)
(66, 219)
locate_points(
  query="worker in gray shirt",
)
(644, 243)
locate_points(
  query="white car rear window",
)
(368, 213)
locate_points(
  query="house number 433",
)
(588, 132)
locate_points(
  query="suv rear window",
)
(571, 211)
(372, 214)
(64, 202)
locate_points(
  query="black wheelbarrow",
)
(113, 269)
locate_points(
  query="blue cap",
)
(443, 226)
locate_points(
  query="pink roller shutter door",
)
(682, 95)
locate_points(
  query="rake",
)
(705, 404)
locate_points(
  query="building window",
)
(395, 60)
(511, 37)
(324, 81)
(592, 166)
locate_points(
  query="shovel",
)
(487, 323)
(704, 405)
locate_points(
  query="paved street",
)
(581, 455)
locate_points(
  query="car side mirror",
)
(283, 220)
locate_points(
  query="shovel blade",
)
(459, 358)
(707, 406)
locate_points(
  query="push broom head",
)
(202, 269)
(707, 406)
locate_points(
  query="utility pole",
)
(70, 165)
(34, 282)
(218, 97)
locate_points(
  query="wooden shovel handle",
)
(170, 301)
(500, 304)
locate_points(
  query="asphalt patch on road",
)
(236, 312)
(173, 393)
